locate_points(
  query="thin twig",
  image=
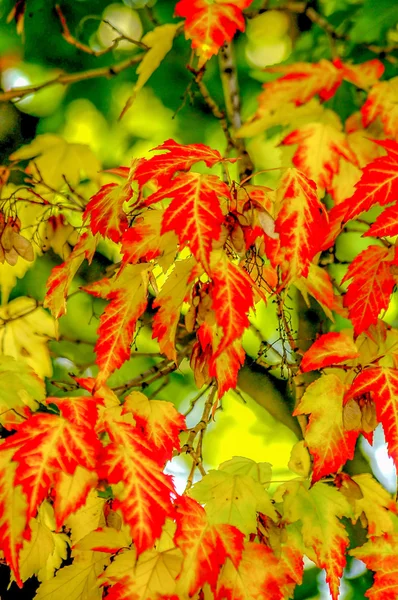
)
(73, 41)
(69, 78)
(213, 106)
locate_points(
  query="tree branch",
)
(68, 78)
(230, 86)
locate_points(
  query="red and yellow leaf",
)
(179, 157)
(195, 212)
(386, 224)
(301, 222)
(382, 102)
(378, 184)
(169, 301)
(380, 555)
(258, 575)
(210, 25)
(143, 241)
(160, 422)
(329, 349)
(371, 287)
(232, 299)
(319, 509)
(320, 147)
(382, 383)
(61, 277)
(327, 440)
(128, 299)
(144, 499)
(205, 547)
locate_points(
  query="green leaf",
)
(233, 499)
(373, 21)
(240, 465)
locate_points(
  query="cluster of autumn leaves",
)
(84, 476)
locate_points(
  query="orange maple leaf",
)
(329, 349)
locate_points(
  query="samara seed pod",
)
(352, 416)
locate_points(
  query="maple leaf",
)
(210, 25)
(327, 440)
(57, 160)
(13, 519)
(25, 329)
(386, 224)
(145, 496)
(349, 174)
(45, 550)
(233, 498)
(382, 383)
(301, 222)
(205, 547)
(378, 184)
(169, 301)
(160, 422)
(179, 157)
(44, 445)
(78, 580)
(61, 277)
(371, 287)
(380, 554)
(159, 42)
(301, 82)
(363, 75)
(376, 504)
(382, 102)
(127, 293)
(20, 391)
(194, 212)
(329, 349)
(152, 575)
(319, 285)
(232, 299)
(319, 508)
(249, 581)
(320, 146)
(224, 367)
(105, 213)
(71, 492)
(143, 241)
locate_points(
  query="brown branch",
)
(213, 106)
(199, 429)
(230, 86)
(69, 78)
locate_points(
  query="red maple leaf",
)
(179, 157)
(371, 287)
(210, 25)
(205, 547)
(194, 213)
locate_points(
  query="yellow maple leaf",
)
(25, 329)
